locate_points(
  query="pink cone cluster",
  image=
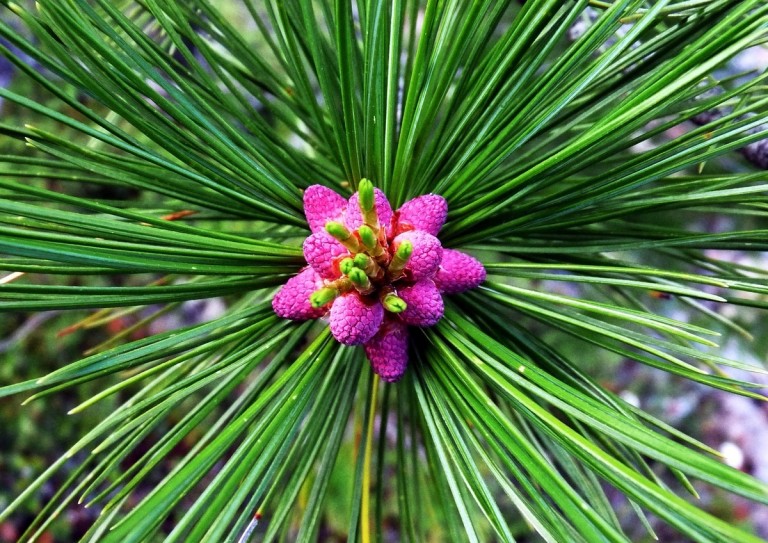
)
(375, 271)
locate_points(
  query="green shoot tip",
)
(404, 250)
(346, 265)
(365, 192)
(394, 304)
(337, 230)
(359, 278)
(367, 236)
(322, 296)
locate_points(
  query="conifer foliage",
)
(160, 151)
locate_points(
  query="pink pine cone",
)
(425, 304)
(357, 319)
(354, 321)
(321, 205)
(354, 219)
(426, 256)
(292, 300)
(388, 351)
(458, 272)
(427, 213)
(321, 251)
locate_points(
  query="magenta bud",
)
(458, 272)
(425, 304)
(321, 205)
(427, 213)
(388, 351)
(321, 250)
(354, 320)
(426, 253)
(292, 300)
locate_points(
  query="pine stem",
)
(365, 514)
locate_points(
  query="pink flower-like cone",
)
(321, 205)
(376, 271)
(458, 272)
(354, 217)
(427, 212)
(322, 251)
(388, 350)
(354, 320)
(425, 304)
(427, 253)
(292, 300)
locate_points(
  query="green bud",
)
(365, 194)
(367, 236)
(337, 230)
(400, 259)
(361, 260)
(346, 264)
(322, 297)
(343, 235)
(404, 250)
(369, 266)
(359, 279)
(394, 304)
(367, 201)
